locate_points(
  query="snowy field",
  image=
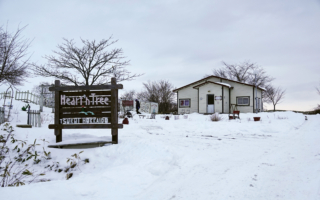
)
(194, 158)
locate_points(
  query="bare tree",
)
(159, 92)
(43, 89)
(14, 59)
(274, 95)
(318, 89)
(87, 65)
(128, 95)
(150, 92)
(245, 72)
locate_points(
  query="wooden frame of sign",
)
(86, 107)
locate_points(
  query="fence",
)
(5, 95)
(28, 97)
(2, 118)
(34, 118)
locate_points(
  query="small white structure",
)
(146, 107)
(215, 94)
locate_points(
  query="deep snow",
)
(194, 158)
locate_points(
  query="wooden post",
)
(41, 100)
(39, 119)
(114, 112)
(32, 117)
(57, 132)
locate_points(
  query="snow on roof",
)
(218, 83)
(226, 84)
(262, 88)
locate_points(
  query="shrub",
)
(215, 117)
(17, 158)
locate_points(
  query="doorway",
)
(210, 103)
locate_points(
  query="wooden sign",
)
(86, 107)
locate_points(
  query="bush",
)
(17, 158)
(215, 117)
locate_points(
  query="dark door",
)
(210, 103)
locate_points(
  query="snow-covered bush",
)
(215, 117)
(46, 118)
(17, 158)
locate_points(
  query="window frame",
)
(243, 97)
(184, 99)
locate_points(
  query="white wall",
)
(226, 100)
(188, 93)
(243, 90)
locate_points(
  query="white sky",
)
(181, 41)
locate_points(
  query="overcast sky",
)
(181, 41)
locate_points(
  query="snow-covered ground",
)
(194, 158)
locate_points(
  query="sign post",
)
(86, 107)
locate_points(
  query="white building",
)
(215, 94)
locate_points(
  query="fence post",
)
(28, 116)
(41, 102)
(39, 119)
(32, 118)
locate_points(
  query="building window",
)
(184, 103)
(243, 101)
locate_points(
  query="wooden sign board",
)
(86, 107)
